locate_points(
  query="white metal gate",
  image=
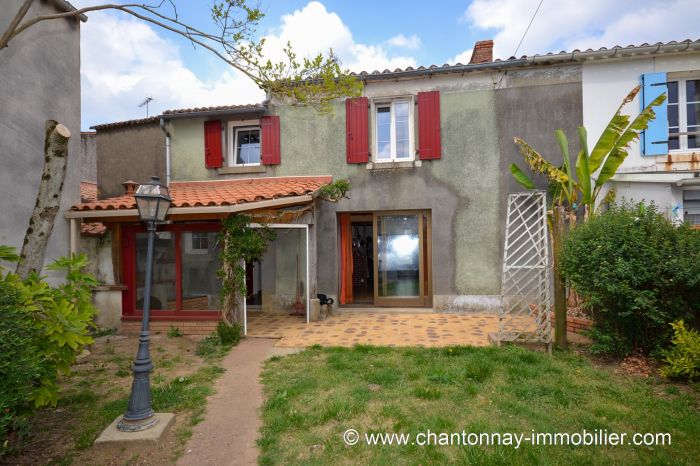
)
(524, 313)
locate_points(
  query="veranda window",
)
(185, 266)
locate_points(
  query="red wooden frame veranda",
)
(128, 253)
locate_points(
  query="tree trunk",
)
(558, 234)
(48, 199)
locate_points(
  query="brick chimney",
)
(130, 187)
(483, 52)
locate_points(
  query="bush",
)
(636, 273)
(42, 330)
(219, 342)
(229, 335)
(21, 366)
(683, 358)
(174, 332)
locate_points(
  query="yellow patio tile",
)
(375, 328)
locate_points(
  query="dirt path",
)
(230, 428)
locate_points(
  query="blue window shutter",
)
(655, 137)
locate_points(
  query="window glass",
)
(401, 129)
(672, 92)
(692, 98)
(200, 264)
(692, 90)
(673, 125)
(163, 290)
(247, 146)
(383, 133)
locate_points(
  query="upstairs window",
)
(393, 130)
(245, 146)
(684, 114)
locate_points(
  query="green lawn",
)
(315, 396)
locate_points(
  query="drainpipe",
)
(167, 152)
(689, 182)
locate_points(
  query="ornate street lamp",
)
(153, 202)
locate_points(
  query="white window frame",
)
(682, 113)
(189, 245)
(232, 136)
(392, 101)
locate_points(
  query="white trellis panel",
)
(524, 313)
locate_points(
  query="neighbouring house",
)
(40, 72)
(426, 152)
(664, 167)
(128, 151)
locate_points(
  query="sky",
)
(124, 60)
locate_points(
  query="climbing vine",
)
(241, 244)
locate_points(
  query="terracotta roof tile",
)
(221, 192)
(220, 108)
(119, 124)
(93, 229)
(688, 44)
(88, 191)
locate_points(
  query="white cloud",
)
(125, 60)
(314, 29)
(462, 58)
(410, 42)
(569, 24)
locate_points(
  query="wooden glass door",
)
(401, 258)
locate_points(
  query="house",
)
(664, 167)
(426, 152)
(139, 141)
(40, 72)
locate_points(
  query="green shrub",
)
(21, 366)
(42, 330)
(174, 332)
(229, 335)
(636, 273)
(683, 358)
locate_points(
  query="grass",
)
(97, 392)
(314, 396)
(176, 395)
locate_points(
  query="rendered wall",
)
(465, 191)
(40, 80)
(134, 152)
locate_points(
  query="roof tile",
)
(88, 191)
(221, 192)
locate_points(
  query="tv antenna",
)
(145, 103)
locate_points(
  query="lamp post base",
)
(113, 434)
(136, 426)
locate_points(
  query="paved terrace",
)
(348, 328)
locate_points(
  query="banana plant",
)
(582, 184)
(571, 187)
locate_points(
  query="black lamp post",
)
(153, 202)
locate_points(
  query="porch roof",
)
(201, 197)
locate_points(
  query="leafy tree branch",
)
(314, 81)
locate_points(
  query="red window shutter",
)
(270, 129)
(356, 130)
(213, 157)
(429, 147)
